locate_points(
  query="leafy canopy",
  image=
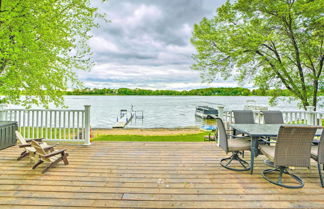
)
(42, 44)
(275, 44)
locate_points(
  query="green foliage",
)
(173, 138)
(276, 44)
(238, 91)
(42, 44)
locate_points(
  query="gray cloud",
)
(147, 44)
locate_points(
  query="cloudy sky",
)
(147, 45)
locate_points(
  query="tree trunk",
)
(315, 91)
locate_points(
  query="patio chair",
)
(28, 149)
(243, 117)
(293, 148)
(236, 145)
(273, 117)
(317, 153)
(52, 158)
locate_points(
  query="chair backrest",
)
(293, 147)
(20, 137)
(222, 135)
(243, 116)
(38, 148)
(321, 149)
(273, 117)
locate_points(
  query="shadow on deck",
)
(147, 175)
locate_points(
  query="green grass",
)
(173, 138)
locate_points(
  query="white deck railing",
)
(290, 117)
(52, 125)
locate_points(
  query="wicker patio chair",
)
(28, 149)
(273, 117)
(243, 117)
(236, 145)
(52, 158)
(317, 153)
(293, 148)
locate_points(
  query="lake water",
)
(160, 111)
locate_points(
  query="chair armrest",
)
(55, 153)
(38, 140)
(24, 145)
(49, 147)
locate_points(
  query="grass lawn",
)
(173, 138)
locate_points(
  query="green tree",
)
(42, 44)
(276, 44)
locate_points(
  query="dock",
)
(124, 118)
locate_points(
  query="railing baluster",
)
(73, 125)
(78, 125)
(69, 131)
(64, 124)
(55, 124)
(59, 124)
(50, 124)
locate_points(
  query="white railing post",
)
(3, 108)
(220, 109)
(310, 115)
(87, 124)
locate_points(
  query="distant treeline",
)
(222, 91)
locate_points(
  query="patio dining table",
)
(256, 131)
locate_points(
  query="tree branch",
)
(291, 35)
(295, 91)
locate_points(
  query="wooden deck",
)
(147, 175)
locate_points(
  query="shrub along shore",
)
(222, 91)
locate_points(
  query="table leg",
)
(254, 152)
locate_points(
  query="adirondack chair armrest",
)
(24, 145)
(38, 140)
(49, 147)
(55, 153)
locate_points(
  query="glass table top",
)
(263, 129)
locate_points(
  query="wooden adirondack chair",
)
(28, 149)
(52, 157)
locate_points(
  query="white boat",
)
(206, 112)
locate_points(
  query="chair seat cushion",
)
(314, 152)
(268, 151)
(238, 144)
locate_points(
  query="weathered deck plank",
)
(147, 175)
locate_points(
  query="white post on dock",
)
(87, 124)
(310, 115)
(220, 109)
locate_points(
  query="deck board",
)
(147, 175)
